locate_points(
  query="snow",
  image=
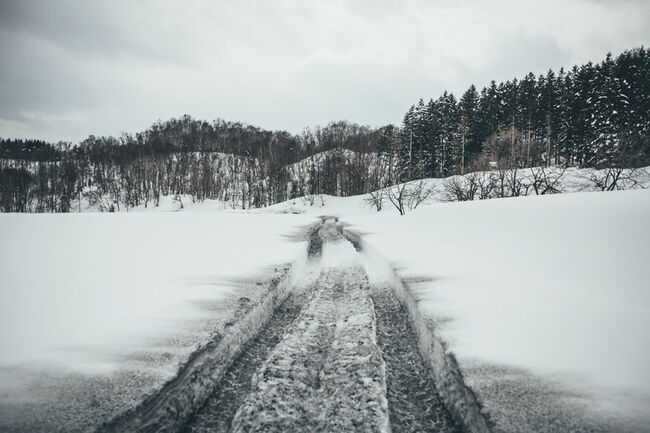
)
(555, 286)
(112, 282)
(327, 373)
(521, 268)
(332, 343)
(534, 282)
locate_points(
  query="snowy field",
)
(556, 286)
(544, 300)
(75, 280)
(550, 294)
(553, 276)
(115, 302)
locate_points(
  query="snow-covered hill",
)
(492, 184)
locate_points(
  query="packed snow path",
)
(335, 355)
(327, 373)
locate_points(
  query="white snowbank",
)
(539, 282)
(570, 180)
(557, 285)
(78, 285)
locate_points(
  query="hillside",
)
(593, 116)
(485, 185)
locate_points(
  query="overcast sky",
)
(74, 68)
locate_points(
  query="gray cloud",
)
(94, 29)
(76, 68)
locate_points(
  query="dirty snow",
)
(327, 373)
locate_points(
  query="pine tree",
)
(565, 149)
(449, 150)
(489, 108)
(550, 103)
(528, 111)
(404, 163)
(511, 113)
(468, 127)
(387, 153)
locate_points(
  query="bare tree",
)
(545, 181)
(397, 196)
(376, 199)
(418, 193)
(95, 198)
(516, 184)
(408, 196)
(460, 188)
(485, 185)
(615, 178)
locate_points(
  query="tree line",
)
(239, 164)
(594, 115)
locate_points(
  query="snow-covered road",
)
(334, 354)
(327, 373)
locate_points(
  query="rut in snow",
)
(334, 355)
(413, 400)
(218, 411)
(327, 373)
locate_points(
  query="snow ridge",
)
(169, 408)
(459, 399)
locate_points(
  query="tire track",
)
(337, 355)
(327, 374)
(217, 413)
(169, 409)
(413, 401)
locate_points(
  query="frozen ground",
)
(111, 304)
(332, 365)
(545, 301)
(314, 366)
(542, 299)
(327, 373)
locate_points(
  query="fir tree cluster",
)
(594, 115)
